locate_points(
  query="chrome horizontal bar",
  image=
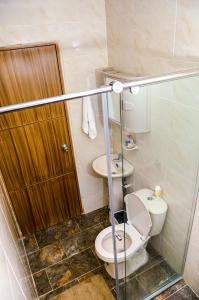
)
(62, 98)
(160, 79)
(104, 89)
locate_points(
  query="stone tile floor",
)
(63, 256)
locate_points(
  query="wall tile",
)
(158, 39)
(79, 27)
(14, 267)
(37, 12)
(187, 40)
(191, 273)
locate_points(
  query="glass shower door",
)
(158, 138)
(113, 242)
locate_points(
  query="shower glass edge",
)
(169, 102)
(110, 184)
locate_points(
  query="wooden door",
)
(40, 177)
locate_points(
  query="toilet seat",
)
(144, 219)
(138, 215)
(130, 232)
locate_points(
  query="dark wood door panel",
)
(21, 205)
(34, 151)
(54, 201)
(50, 202)
(39, 175)
(9, 163)
(25, 75)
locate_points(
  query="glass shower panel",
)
(48, 133)
(159, 139)
(112, 242)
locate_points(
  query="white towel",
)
(88, 120)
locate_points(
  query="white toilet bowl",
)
(132, 237)
(127, 249)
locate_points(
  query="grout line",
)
(75, 234)
(77, 225)
(192, 290)
(176, 291)
(76, 278)
(101, 223)
(59, 241)
(186, 285)
(54, 290)
(48, 280)
(149, 267)
(85, 229)
(36, 240)
(62, 260)
(96, 257)
(29, 253)
(45, 268)
(65, 259)
(137, 275)
(30, 271)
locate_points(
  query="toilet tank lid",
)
(138, 215)
(155, 205)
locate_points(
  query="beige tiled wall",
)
(192, 264)
(15, 280)
(80, 29)
(152, 38)
(155, 37)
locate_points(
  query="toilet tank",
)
(157, 208)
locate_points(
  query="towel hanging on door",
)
(88, 120)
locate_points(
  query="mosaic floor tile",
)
(94, 288)
(151, 251)
(58, 291)
(170, 290)
(30, 244)
(154, 259)
(93, 218)
(57, 232)
(67, 253)
(100, 271)
(72, 268)
(46, 256)
(154, 278)
(81, 241)
(106, 222)
(42, 283)
(132, 291)
(185, 293)
(167, 268)
(101, 262)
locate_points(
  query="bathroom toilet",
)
(145, 218)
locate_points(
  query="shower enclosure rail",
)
(103, 89)
(117, 87)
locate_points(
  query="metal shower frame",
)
(117, 87)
